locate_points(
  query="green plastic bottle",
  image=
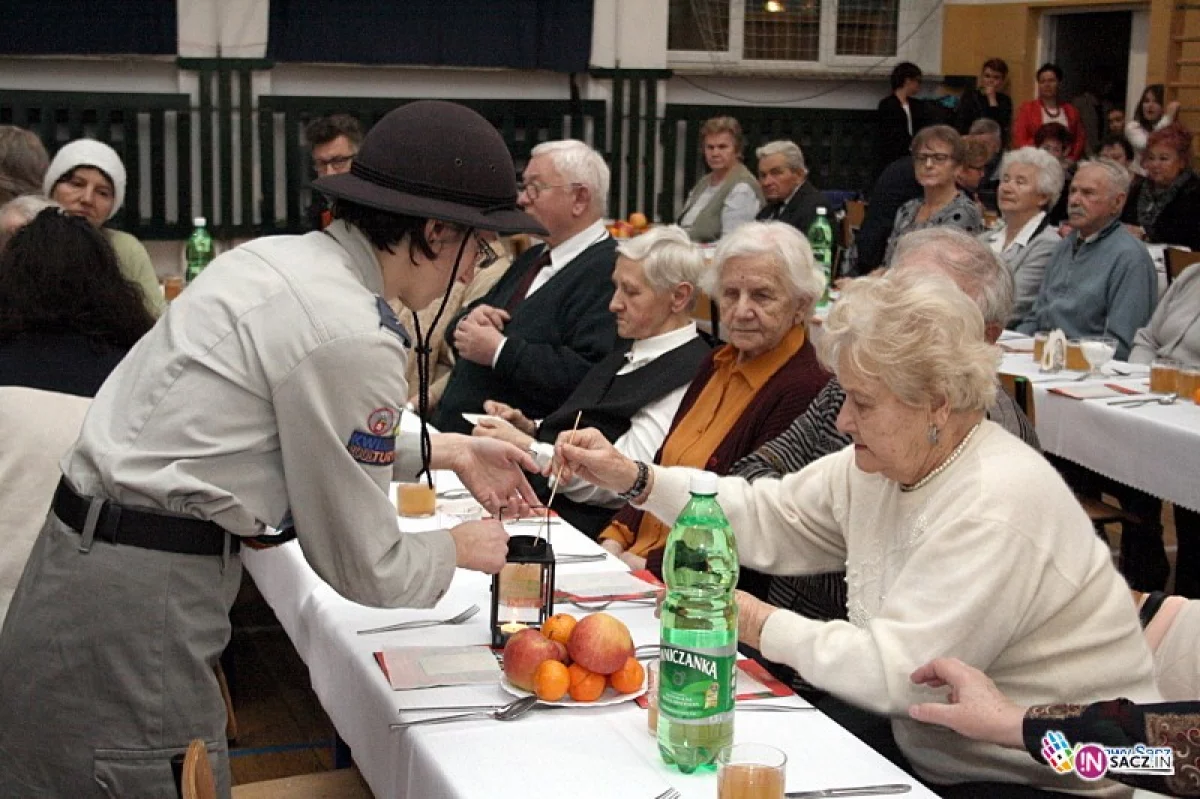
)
(699, 633)
(820, 237)
(199, 250)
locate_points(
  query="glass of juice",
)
(1188, 381)
(750, 771)
(415, 500)
(1039, 345)
(1163, 374)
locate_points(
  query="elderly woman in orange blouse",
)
(748, 391)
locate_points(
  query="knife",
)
(859, 790)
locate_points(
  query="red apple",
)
(600, 643)
(525, 651)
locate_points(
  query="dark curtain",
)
(88, 27)
(517, 34)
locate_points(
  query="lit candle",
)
(511, 628)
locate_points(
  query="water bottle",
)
(199, 250)
(699, 633)
(820, 237)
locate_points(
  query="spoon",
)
(513, 710)
(416, 625)
(1165, 399)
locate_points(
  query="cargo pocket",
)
(140, 773)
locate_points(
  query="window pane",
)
(867, 27)
(783, 30)
(698, 25)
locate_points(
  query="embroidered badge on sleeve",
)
(372, 450)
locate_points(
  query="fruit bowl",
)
(609, 697)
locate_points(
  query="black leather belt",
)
(139, 527)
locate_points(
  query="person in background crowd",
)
(1047, 109)
(748, 391)
(989, 131)
(333, 142)
(87, 178)
(1100, 279)
(977, 709)
(896, 185)
(728, 196)
(1151, 115)
(1056, 140)
(1165, 207)
(938, 154)
(268, 397)
(532, 338)
(974, 169)
(633, 394)
(987, 101)
(1115, 147)
(932, 502)
(19, 212)
(1116, 122)
(23, 162)
(899, 115)
(1031, 184)
(783, 177)
(67, 314)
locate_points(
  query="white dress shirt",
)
(647, 428)
(996, 239)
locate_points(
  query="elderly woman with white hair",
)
(748, 391)
(632, 395)
(957, 538)
(87, 178)
(1031, 181)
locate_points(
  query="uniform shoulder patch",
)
(371, 449)
(389, 320)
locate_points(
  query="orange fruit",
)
(586, 686)
(551, 681)
(628, 679)
(559, 627)
(1196, 396)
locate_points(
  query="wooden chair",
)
(1178, 260)
(197, 782)
(856, 212)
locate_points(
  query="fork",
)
(416, 625)
(606, 603)
(670, 793)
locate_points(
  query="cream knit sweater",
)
(992, 562)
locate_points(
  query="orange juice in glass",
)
(1075, 360)
(750, 771)
(1164, 373)
(414, 500)
(171, 287)
(1039, 345)
(1187, 382)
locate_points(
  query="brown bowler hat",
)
(439, 160)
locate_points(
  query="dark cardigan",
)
(782, 398)
(554, 338)
(1178, 223)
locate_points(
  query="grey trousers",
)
(106, 668)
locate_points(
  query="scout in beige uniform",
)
(268, 395)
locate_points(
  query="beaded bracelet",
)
(639, 485)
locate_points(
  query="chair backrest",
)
(197, 780)
(1179, 260)
(856, 212)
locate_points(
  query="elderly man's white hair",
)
(579, 163)
(1118, 176)
(791, 152)
(970, 262)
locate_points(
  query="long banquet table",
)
(596, 752)
(1154, 448)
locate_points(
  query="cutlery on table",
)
(770, 707)
(513, 710)
(420, 623)
(670, 793)
(454, 493)
(859, 790)
(1165, 399)
(602, 604)
(595, 557)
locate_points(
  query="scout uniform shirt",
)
(271, 393)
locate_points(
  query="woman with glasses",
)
(938, 157)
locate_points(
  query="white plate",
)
(609, 697)
(476, 418)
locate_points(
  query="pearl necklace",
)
(944, 464)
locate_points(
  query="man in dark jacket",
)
(784, 180)
(530, 340)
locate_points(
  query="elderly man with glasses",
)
(530, 340)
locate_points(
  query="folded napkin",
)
(408, 667)
(753, 682)
(604, 586)
(1094, 391)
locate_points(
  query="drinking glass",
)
(1188, 382)
(415, 500)
(652, 696)
(750, 771)
(1163, 374)
(1039, 345)
(1097, 351)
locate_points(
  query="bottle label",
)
(696, 684)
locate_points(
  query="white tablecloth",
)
(1155, 448)
(548, 753)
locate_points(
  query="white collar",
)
(570, 249)
(646, 350)
(1023, 237)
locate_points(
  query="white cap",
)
(704, 483)
(90, 153)
(199, 221)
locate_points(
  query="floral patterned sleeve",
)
(1120, 722)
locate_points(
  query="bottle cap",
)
(704, 483)
(199, 221)
(821, 209)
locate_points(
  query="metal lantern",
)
(523, 591)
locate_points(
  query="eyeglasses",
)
(937, 158)
(333, 162)
(534, 189)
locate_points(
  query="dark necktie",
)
(522, 288)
